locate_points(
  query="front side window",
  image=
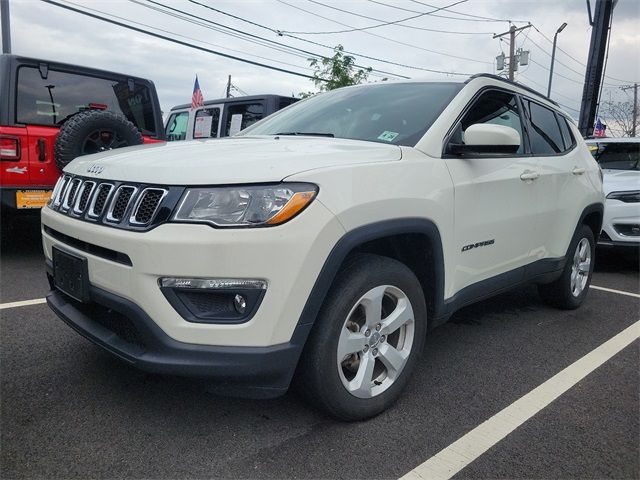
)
(177, 126)
(52, 100)
(545, 135)
(494, 107)
(206, 123)
(395, 113)
(617, 156)
(242, 116)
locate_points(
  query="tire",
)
(570, 290)
(94, 131)
(387, 355)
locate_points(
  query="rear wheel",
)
(366, 340)
(570, 290)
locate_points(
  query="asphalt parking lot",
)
(70, 410)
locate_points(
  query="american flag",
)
(196, 99)
(599, 129)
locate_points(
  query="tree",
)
(620, 116)
(335, 72)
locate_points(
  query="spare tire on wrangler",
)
(94, 131)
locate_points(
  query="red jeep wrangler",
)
(51, 113)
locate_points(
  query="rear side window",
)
(177, 126)
(544, 135)
(241, 116)
(285, 102)
(567, 136)
(206, 123)
(50, 101)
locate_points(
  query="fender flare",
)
(367, 233)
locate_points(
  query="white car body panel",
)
(360, 183)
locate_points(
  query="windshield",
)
(617, 156)
(395, 113)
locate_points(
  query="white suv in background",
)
(619, 159)
(322, 243)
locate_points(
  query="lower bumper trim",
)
(124, 329)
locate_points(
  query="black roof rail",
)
(511, 82)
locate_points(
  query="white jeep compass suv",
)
(323, 242)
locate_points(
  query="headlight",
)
(631, 196)
(245, 206)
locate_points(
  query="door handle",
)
(529, 175)
(578, 170)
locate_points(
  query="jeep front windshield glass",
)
(617, 156)
(52, 100)
(395, 113)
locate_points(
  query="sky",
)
(462, 45)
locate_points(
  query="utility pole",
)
(634, 120)
(595, 64)
(512, 47)
(6, 27)
(229, 87)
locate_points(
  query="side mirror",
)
(487, 138)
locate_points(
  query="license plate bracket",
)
(71, 275)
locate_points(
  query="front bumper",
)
(124, 329)
(619, 217)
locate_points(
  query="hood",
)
(229, 160)
(620, 180)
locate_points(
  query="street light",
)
(553, 57)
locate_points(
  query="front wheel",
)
(570, 290)
(366, 339)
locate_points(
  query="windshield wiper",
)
(308, 134)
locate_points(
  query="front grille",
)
(120, 203)
(147, 205)
(124, 205)
(100, 200)
(83, 197)
(71, 193)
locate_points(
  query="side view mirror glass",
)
(487, 138)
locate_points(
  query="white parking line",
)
(23, 303)
(619, 292)
(462, 452)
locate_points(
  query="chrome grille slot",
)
(121, 200)
(100, 199)
(61, 191)
(147, 205)
(70, 193)
(82, 198)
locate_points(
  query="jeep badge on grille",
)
(95, 169)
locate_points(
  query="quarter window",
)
(544, 135)
(567, 136)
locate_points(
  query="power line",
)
(413, 27)
(437, 15)
(357, 54)
(575, 59)
(174, 40)
(255, 39)
(385, 38)
(382, 24)
(448, 9)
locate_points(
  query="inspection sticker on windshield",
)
(388, 136)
